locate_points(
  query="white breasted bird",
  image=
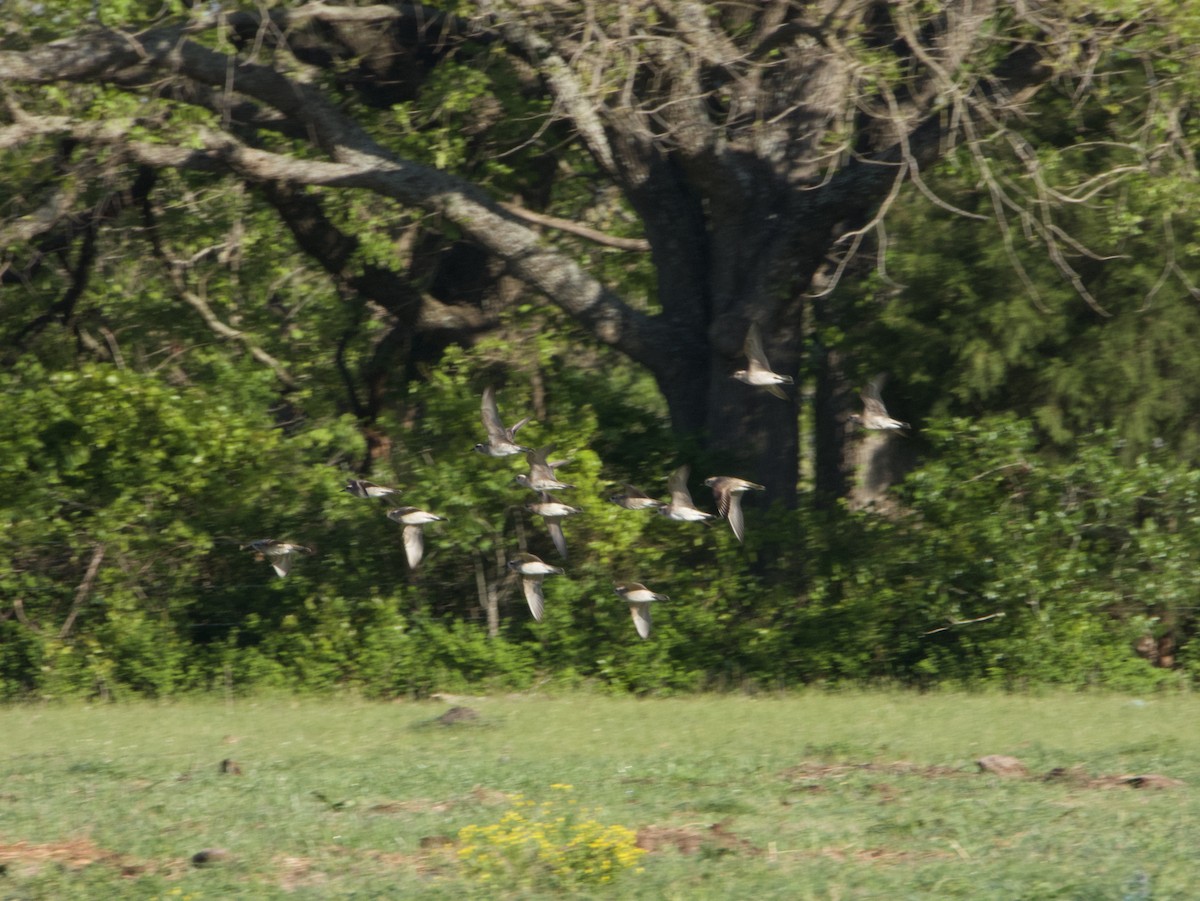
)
(681, 508)
(728, 490)
(758, 370)
(635, 499)
(541, 473)
(639, 598)
(501, 441)
(278, 553)
(554, 512)
(414, 521)
(532, 570)
(363, 488)
(875, 414)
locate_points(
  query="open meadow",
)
(814, 795)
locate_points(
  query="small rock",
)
(1001, 765)
(209, 856)
(458, 715)
(1150, 780)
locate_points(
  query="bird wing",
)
(490, 414)
(282, 563)
(554, 527)
(872, 396)
(532, 586)
(539, 469)
(733, 512)
(756, 357)
(414, 545)
(677, 485)
(641, 618)
(722, 494)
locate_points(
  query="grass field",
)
(817, 795)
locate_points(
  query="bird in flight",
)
(639, 598)
(681, 507)
(278, 553)
(635, 499)
(554, 512)
(758, 370)
(728, 492)
(501, 441)
(875, 414)
(414, 521)
(362, 488)
(532, 570)
(541, 474)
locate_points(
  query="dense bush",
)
(156, 487)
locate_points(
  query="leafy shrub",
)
(547, 846)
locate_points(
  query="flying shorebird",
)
(758, 370)
(361, 488)
(639, 597)
(501, 442)
(278, 553)
(875, 414)
(554, 512)
(728, 492)
(532, 570)
(681, 507)
(414, 521)
(541, 474)
(635, 499)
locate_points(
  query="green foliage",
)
(129, 485)
(547, 846)
(1071, 562)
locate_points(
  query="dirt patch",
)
(814, 770)
(298, 872)
(29, 858)
(488, 797)
(869, 855)
(1001, 765)
(715, 839)
(429, 861)
(456, 715)
(414, 805)
(808, 775)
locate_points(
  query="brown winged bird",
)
(541, 473)
(554, 512)
(362, 488)
(681, 507)
(278, 553)
(532, 570)
(635, 499)
(639, 598)
(728, 493)
(414, 522)
(501, 442)
(875, 414)
(758, 370)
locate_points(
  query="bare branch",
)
(955, 623)
(577, 228)
(82, 591)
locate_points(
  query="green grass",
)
(819, 795)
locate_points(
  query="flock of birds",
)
(543, 479)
